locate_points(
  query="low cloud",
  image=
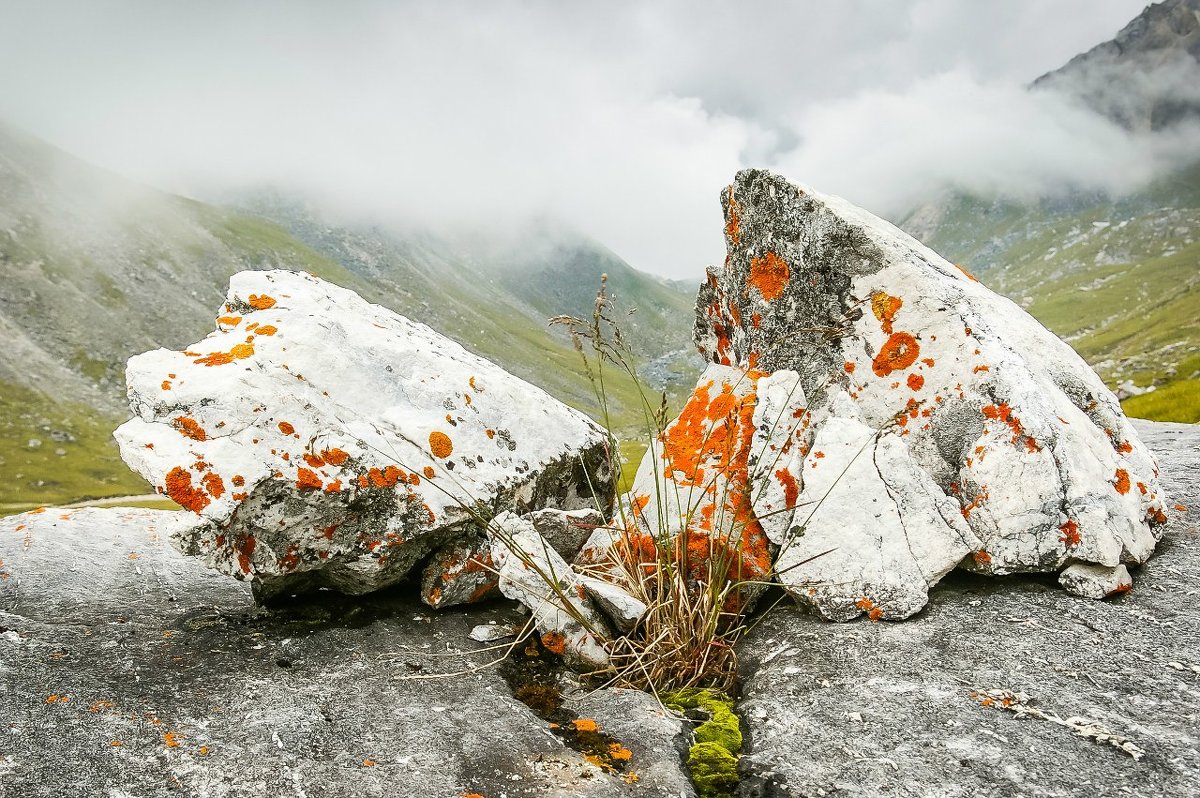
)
(622, 119)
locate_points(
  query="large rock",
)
(322, 440)
(936, 423)
(918, 709)
(129, 669)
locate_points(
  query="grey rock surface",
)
(868, 709)
(128, 669)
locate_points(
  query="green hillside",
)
(96, 269)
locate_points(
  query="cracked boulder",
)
(933, 424)
(324, 441)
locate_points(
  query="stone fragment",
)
(323, 440)
(622, 608)
(490, 633)
(1095, 581)
(938, 423)
(463, 572)
(533, 573)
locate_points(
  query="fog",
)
(624, 120)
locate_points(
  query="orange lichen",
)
(266, 329)
(619, 752)
(213, 484)
(1122, 483)
(307, 480)
(980, 369)
(181, 491)
(491, 433)
(429, 472)
(440, 444)
(916, 382)
(873, 612)
(1125, 447)
(262, 302)
(791, 491)
(170, 739)
(732, 220)
(755, 320)
(1181, 508)
(1156, 517)
(1070, 533)
(848, 366)
(981, 557)
(967, 273)
(585, 725)
(245, 551)
(189, 428)
(898, 353)
(286, 428)
(231, 321)
(554, 642)
(769, 274)
(335, 457)
(885, 307)
(313, 460)
(166, 385)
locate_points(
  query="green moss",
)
(714, 770)
(717, 741)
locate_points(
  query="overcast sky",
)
(624, 119)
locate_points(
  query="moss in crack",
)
(713, 757)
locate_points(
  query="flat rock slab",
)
(128, 669)
(887, 709)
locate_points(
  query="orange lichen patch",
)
(975, 503)
(791, 491)
(898, 353)
(238, 480)
(467, 399)
(261, 302)
(848, 366)
(229, 321)
(181, 491)
(166, 385)
(491, 433)
(286, 428)
(245, 552)
(189, 428)
(981, 557)
(885, 307)
(916, 382)
(555, 643)
(440, 444)
(335, 457)
(213, 484)
(1156, 517)
(313, 460)
(429, 472)
(1122, 483)
(967, 273)
(471, 382)
(471, 795)
(238, 352)
(386, 478)
(980, 369)
(585, 725)
(769, 274)
(619, 752)
(1070, 533)
(1004, 414)
(732, 220)
(307, 480)
(735, 313)
(267, 329)
(873, 612)
(1125, 447)
(170, 739)
(1181, 508)
(755, 320)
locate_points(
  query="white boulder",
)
(323, 440)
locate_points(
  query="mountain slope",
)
(96, 269)
(1117, 277)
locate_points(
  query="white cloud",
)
(625, 119)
